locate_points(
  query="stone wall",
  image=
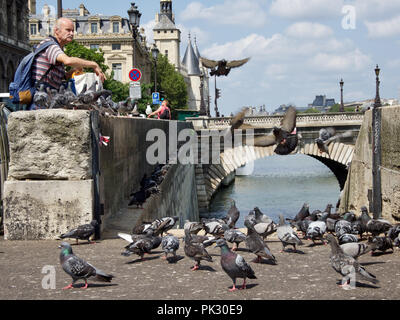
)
(123, 163)
(359, 181)
(49, 188)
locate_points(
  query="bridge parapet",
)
(302, 120)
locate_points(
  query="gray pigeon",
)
(164, 224)
(170, 244)
(356, 249)
(233, 215)
(255, 244)
(140, 244)
(342, 227)
(234, 236)
(195, 251)
(287, 235)
(347, 238)
(41, 98)
(234, 265)
(78, 268)
(381, 243)
(378, 226)
(213, 226)
(346, 265)
(327, 136)
(193, 226)
(83, 232)
(316, 230)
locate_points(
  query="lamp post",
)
(154, 53)
(376, 152)
(203, 109)
(134, 20)
(341, 109)
(59, 9)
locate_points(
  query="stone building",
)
(167, 38)
(14, 44)
(111, 34)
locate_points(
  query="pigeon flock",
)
(88, 99)
(343, 232)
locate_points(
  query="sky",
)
(298, 48)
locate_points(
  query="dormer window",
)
(93, 27)
(115, 27)
(33, 29)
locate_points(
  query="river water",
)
(279, 184)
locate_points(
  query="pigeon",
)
(378, 226)
(347, 238)
(261, 217)
(381, 243)
(349, 216)
(138, 198)
(263, 224)
(232, 215)
(285, 138)
(287, 235)
(327, 135)
(58, 99)
(213, 226)
(193, 227)
(141, 228)
(41, 98)
(302, 214)
(356, 249)
(342, 227)
(83, 232)
(140, 244)
(148, 110)
(256, 245)
(394, 232)
(170, 244)
(234, 265)
(316, 230)
(195, 251)
(302, 225)
(222, 67)
(364, 218)
(78, 268)
(164, 224)
(347, 265)
(234, 236)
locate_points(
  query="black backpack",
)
(165, 114)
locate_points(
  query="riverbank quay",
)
(31, 271)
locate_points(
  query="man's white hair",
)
(60, 22)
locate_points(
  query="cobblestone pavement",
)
(303, 275)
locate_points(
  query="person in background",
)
(55, 58)
(163, 112)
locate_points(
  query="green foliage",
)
(74, 49)
(336, 108)
(171, 84)
(120, 91)
(312, 110)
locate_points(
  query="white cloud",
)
(345, 62)
(308, 30)
(374, 8)
(385, 28)
(148, 30)
(234, 12)
(306, 9)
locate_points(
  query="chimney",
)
(82, 10)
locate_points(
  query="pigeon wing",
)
(265, 141)
(208, 63)
(236, 63)
(288, 122)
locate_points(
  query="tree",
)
(74, 49)
(171, 83)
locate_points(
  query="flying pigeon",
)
(347, 265)
(83, 232)
(328, 135)
(170, 244)
(195, 251)
(234, 265)
(222, 67)
(78, 268)
(285, 138)
(286, 234)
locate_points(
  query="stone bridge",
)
(221, 170)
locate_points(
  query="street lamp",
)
(376, 152)
(59, 9)
(154, 53)
(341, 109)
(134, 20)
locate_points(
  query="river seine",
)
(279, 184)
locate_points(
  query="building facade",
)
(14, 40)
(111, 34)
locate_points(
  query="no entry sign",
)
(135, 74)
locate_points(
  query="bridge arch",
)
(211, 176)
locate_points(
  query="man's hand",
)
(99, 73)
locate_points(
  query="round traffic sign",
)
(135, 74)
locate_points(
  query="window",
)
(93, 27)
(94, 46)
(33, 29)
(115, 27)
(117, 68)
(116, 46)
